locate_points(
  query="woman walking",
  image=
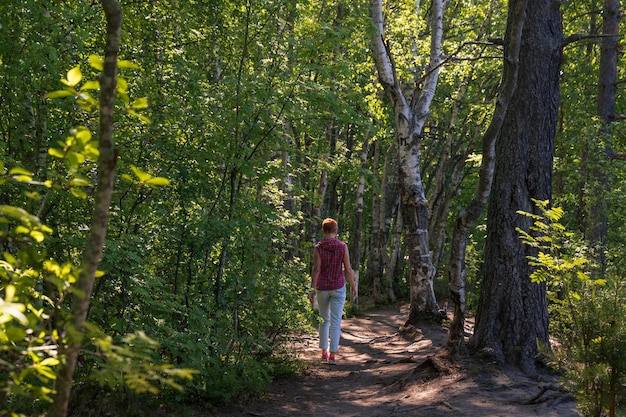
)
(331, 268)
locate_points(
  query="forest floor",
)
(383, 371)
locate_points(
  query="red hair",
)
(329, 226)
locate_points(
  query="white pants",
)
(331, 310)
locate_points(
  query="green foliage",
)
(587, 313)
(133, 363)
(87, 101)
(34, 313)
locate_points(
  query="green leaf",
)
(96, 62)
(91, 152)
(87, 106)
(83, 134)
(50, 362)
(20, 171)
(80, 181)
(19, 214)
(122, 85)
(140, 103)
(141, 175)
(22, 230)
(75, 158)
(23, 178)
(58, 153)
(73, 77)
(46, 372)
(10, 293)
(141, 117)
(69, 92)
(158, 181)
(10, 311)
(78, 193)
(33, 195)
(10, 258)
(15, 334)
(91, 85)
(127, 64)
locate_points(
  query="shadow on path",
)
(385, 370)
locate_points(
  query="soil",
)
(384, 369)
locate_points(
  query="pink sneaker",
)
(324, 355)
(331, 359)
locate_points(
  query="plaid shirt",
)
(331, 272)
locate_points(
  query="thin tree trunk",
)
(355, 258)
(410, 117)
(97, 233)
(221, 268)
(463, 224)
(317, 209)
(396, 254)
(389, 207)
(376, 251)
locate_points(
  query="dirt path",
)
(384, 372)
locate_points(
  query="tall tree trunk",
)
(395, 257)
(376, 260)
(410, 116)
(607, 79)
(389, 207)
(316, 219)
(512, 317)
(97, 233)
(463, 224)
(355, 257)
(453, 154)
(596, 227)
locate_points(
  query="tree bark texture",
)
(375, 265)
(596, 222)
(607, 79)
(390, 203)
(355, 257)
(512, 317)
(410, 116)
(396, 257)
(97, 233)
(463, 224)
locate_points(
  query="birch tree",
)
(410, 115)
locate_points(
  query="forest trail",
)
(383, 371)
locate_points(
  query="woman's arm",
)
(315, 273)
(317, 266)
(349, 273)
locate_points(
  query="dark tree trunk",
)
(596, 224)
(465, 220)
(355, 256)
(512, 317)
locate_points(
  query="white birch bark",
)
(410, 116)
